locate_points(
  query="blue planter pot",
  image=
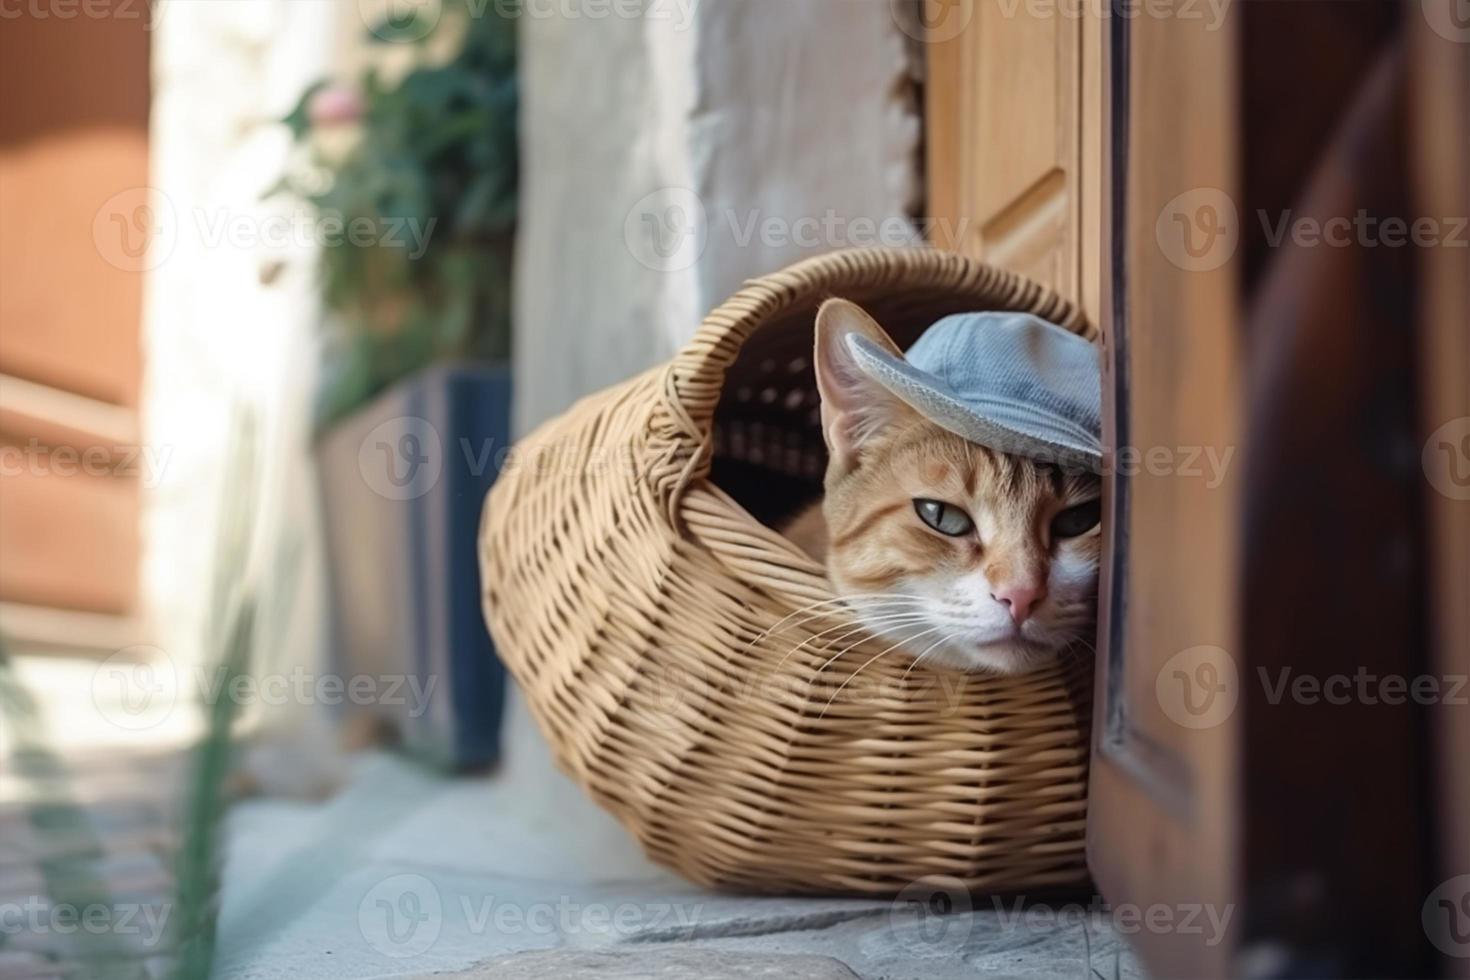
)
(402, 483)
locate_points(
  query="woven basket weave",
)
(667, 642)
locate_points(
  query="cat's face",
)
(959, 555)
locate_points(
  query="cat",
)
(969, 558)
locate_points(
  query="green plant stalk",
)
(232, 623)
(197, 863)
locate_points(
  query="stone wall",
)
(670, 156)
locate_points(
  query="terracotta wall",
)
(73, 176)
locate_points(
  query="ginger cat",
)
(970, 558)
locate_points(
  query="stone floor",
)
(405, 874)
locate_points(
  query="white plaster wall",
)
(231, 314)
(232, 329)
(749, 133)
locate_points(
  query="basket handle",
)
(695, 378)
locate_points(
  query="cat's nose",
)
(1020, 599)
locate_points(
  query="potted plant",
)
(413, 181)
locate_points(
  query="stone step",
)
(660, 964)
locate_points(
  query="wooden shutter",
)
(73, 176)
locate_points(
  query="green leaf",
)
(298, 120)
(437, 164)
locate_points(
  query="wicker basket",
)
(677, 653)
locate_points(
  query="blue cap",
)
(1011, 382)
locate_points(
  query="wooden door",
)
(73, 238)
(1014, 105)
(1077, 150)
(1161, 822)
(1439, 50)
(1267, 395)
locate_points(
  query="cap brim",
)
(1004, 425)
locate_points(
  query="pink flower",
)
(334, 105)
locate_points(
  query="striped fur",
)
(932, 593)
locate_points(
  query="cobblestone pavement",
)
(87, 845)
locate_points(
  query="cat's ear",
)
(855, 408)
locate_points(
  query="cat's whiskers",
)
(838, 601)
(869, 603)
(1090, 647)
(871, 634)
(874, 659)
(928, 650)
(906, 673)
(941, 641)
(893, 620)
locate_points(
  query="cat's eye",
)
(1075, 521)
(942, 517)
